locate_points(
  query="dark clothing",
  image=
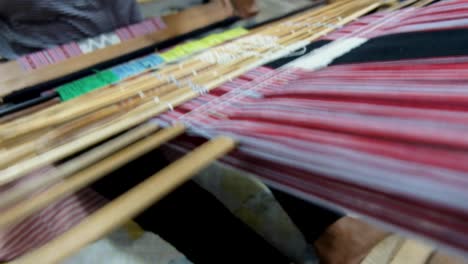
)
(30, 25)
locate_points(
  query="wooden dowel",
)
(81, 162)
(422, 3)
(88, 175)
(24, 167)
(401, 5)
(130, 204)
(29, 110)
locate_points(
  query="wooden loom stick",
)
(79, 108)
(29, 111)
(88, 175)
(61, 132)
(323, 14)
(422, 3)
(57, 135)
(92, 156)
(130, 204)
(177, 24)
(402, 5)
(135, 117)
(26, 166)
(21, 168)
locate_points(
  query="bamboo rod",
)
(23, 167)
(422, 3)
(402, 5)
(29, 111)
(88, 175)
(81, 162)
(129, 204)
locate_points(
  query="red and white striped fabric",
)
(40, 228)
(385, 140)
(443, 15)
(60, 53)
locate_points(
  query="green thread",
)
(85, 85)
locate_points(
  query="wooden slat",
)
(87, 176)
(130, 204)
(22, 191)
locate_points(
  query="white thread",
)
(156, 99)
(202, 92)
(157, 75)
(159, 122)
(171, 107)
(194, 72)
(323, 56)
(296, 53)
(247, 89)
(206, 90)
(242, 48)
(192, 86)
(141, 94)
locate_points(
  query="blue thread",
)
(138, 66)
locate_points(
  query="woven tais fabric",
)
(47, 224)
(393, 150)
(30, 25)
(384, 139)
(72, 49)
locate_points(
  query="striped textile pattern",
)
(60, 53)
(443, 15)
(385, 140)
(348, 137)
(47, 224)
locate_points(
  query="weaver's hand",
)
(245, 8)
